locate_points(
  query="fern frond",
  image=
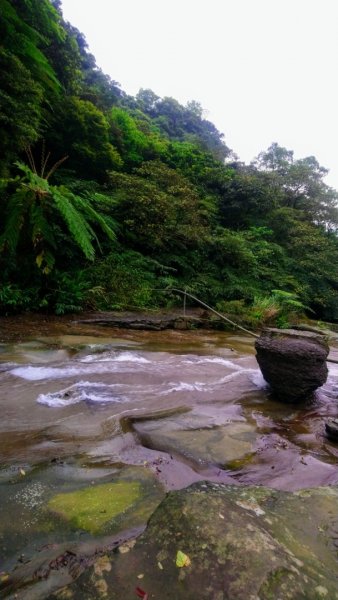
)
(41, 229)
(80, 230)
(32, 180)
(95, 217)
(17, 207)
(104, 199)
(24, 168)
(79, 205)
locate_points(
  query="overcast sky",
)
(264, 70)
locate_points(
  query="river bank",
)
(14, 327)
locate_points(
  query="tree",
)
(276, 159)
(82, 131)
(24, 30)
(195, 108)
(158, 209)
(131, 142)
(147, 100)
(300, 183)
(312, 253)
(28, 83)
(246, 198)
(20, 108)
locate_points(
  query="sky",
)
(264, 70)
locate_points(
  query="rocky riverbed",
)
(99, 424)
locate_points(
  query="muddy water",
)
(82, 406)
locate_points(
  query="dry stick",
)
(43, 153)
(30, 159)
(55, 166)
(44, 165)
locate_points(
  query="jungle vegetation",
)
(107, 199)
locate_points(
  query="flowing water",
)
(85, 406)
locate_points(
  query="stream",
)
(85, 407)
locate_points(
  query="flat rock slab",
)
(249, 543)
(146, 321)
(292, 362)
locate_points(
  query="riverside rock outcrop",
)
(292, 362)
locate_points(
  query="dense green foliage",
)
(137, 195)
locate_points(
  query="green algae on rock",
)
(94, 507)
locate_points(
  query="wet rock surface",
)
(292, 362)
(242, 544)
(57, 565)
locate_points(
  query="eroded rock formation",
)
(292, 362)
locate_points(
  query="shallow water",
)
(84, 405)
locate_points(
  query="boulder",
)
(292, 362)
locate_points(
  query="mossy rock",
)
(243, 544)
(92, 508)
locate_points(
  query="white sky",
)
(265, 70)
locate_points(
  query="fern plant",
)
(34, 208)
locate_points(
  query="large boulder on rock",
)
(292, 362)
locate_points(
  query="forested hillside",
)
(107, 199)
